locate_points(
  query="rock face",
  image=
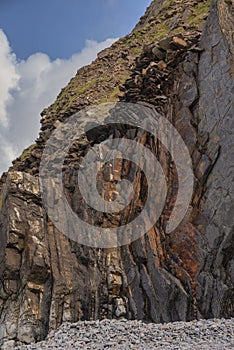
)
(185, 71)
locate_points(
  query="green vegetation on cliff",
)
(100, 81)
(115, 63)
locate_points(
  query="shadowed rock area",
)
(179, 61)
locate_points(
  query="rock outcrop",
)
(178, 60)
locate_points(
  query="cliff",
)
(178, 60)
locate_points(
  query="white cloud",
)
(27, 87)
(8, 77)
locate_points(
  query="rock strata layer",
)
(179, 61)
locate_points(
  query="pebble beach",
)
(217, 334)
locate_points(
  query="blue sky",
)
(60, 27)
(42, 44)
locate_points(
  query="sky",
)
(42, 44)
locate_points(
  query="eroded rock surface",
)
(47, 279)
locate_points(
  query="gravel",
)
(123, 334)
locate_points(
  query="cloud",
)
(8, 78)
(27, 87)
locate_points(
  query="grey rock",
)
(47, 280)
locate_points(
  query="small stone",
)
(159, 54)
(162, 65)
(9, 345)
(178, 43)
